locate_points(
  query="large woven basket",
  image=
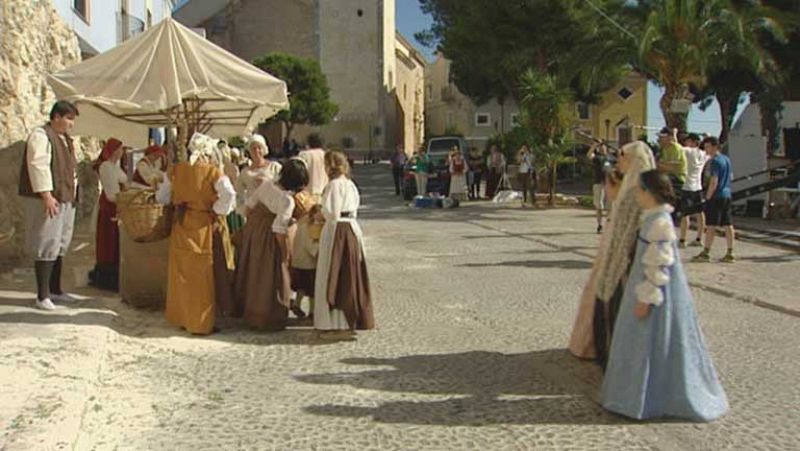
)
(144, 219)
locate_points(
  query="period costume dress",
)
(659, 366)
(203, 196)
(343, 298)
(148, 174)
(234, 219)
(612, 263)
(112, 179)
(458, 177)
(251, 178)
(262, 287)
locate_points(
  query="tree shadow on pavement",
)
(475, 388)
(541, 264)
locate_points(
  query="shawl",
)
(614, 256)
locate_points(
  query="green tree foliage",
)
(548, 116)
(309, 95)
(492, 43)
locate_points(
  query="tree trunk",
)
(551, 199)
(289, 128)
(674, 120)
(728, 104)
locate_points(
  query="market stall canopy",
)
(168, 74)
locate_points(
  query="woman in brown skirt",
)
(263, 286)
(343, 300)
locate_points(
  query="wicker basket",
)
(143, 218)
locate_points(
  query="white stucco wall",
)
(99, 30)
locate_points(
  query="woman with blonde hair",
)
(594, 323)
(343, 299)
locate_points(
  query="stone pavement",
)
(474, 308)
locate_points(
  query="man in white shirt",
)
(692, 191)
(314, 158)
(48, 176)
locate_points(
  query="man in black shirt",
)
(598, 155)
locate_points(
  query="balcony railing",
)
(128, 26)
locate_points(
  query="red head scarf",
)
(108, 150)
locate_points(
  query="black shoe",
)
(600, 229)
(298, 312)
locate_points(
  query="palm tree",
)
(740, 63)
(677, 42)
(548, 114)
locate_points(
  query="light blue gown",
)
(659, 366)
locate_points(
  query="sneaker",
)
(46, 304)
(728, 258)
(702, 257)
(682, 244)
(696, 243)
(599, 229)
(64, 297)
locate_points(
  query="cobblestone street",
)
(474, 309)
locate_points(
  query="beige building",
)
(618, 117)
(408, 96)
(448, 111)
(357, 47)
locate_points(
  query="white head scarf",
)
(614, 257)
(260, 141)
(202, 148)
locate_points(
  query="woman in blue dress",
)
(659, 365)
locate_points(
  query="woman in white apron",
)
(344, 301)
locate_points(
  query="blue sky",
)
(410, 20)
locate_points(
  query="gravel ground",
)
(474, 309)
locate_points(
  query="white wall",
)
(100, 28)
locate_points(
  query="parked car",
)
(439, 179)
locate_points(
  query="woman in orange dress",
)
(203, 197)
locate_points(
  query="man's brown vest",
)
(63, 165)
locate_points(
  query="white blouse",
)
(250, 179)
(341, 195)
(149, 172)
(111, 177)
(657, 258)
(226, 195)
(277, 200)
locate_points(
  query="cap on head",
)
(260, 141)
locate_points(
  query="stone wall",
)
(33, 42)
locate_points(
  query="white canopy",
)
(168, 73)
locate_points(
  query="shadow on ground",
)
(125, 320)
(482, 388)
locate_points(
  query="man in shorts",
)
(598, 155)
(718, 201)
(48, 179)
(691, 200)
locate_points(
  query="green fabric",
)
(673, 153)
(423, 164)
